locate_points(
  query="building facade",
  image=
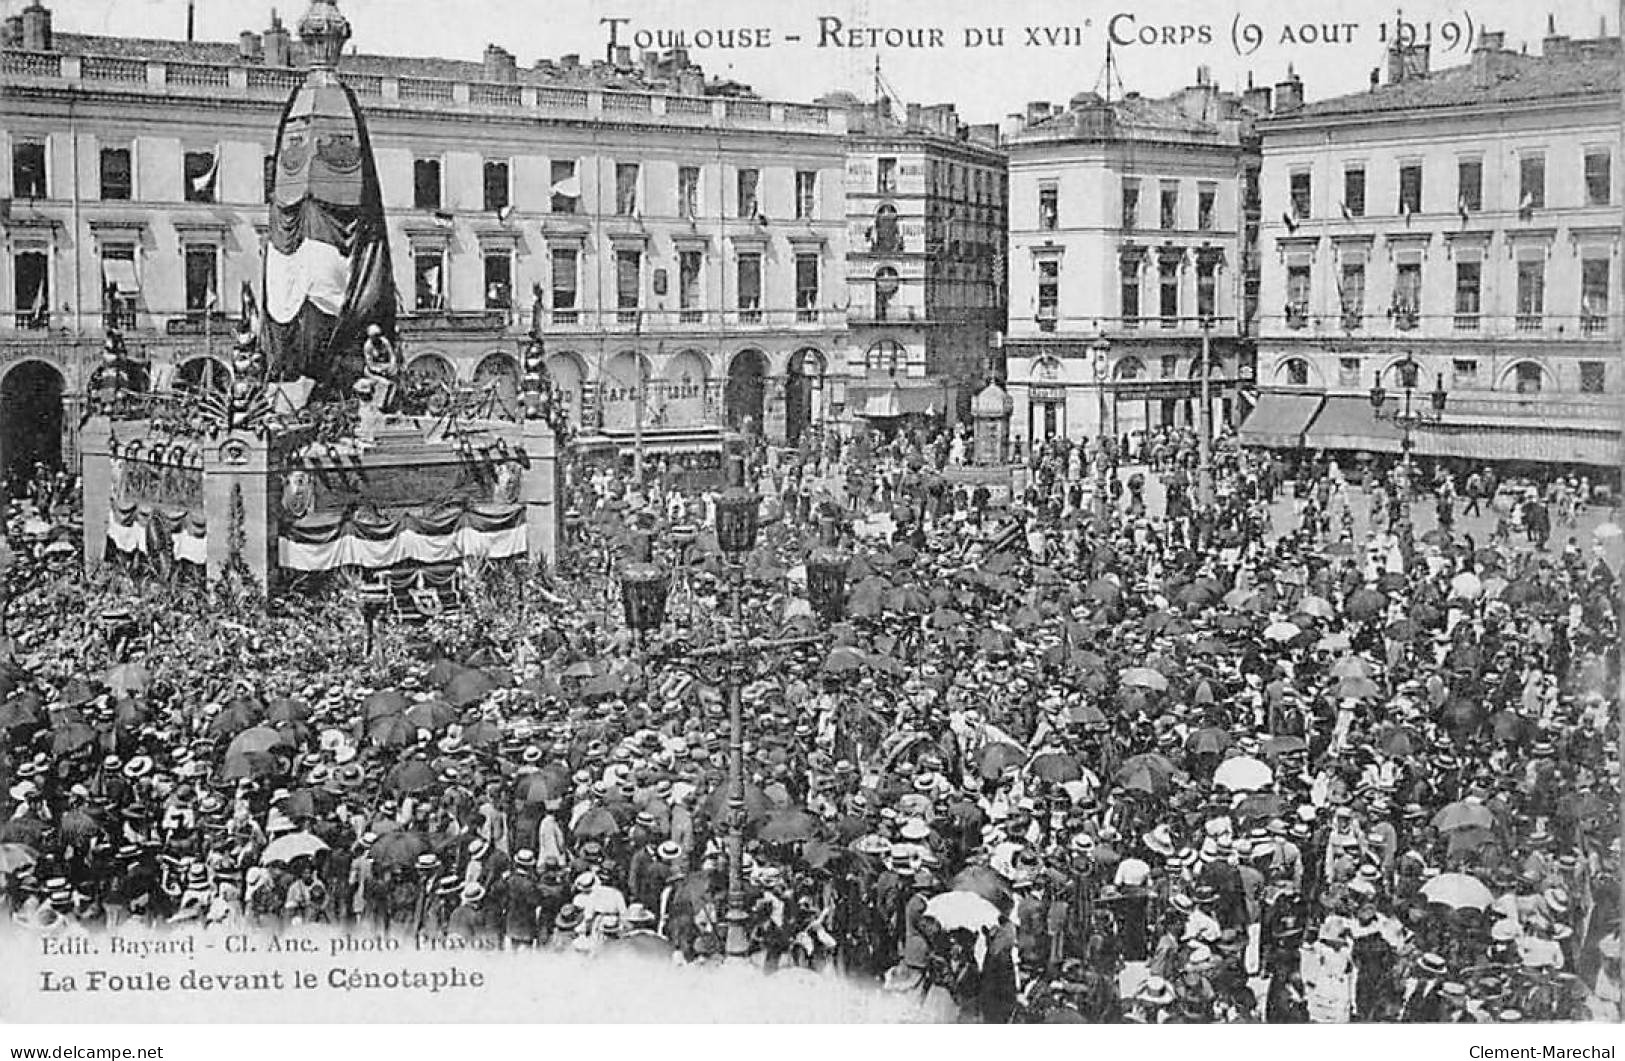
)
(926, 213)
(1129, 239)
(680, 243)
(1457, 230)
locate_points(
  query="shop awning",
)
(119, 274)
(902, 401)
(1347, 422)
(1279, 420)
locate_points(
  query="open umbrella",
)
(1243, 773)
(992, 759)
(956, 910)
(908, 600)
(1400, 742)
(1282, 631)
(412, 776)
(390, 731)
(844, 660)
(257, 739)
(1209, 740)
(1465, 841)
(399, 848)
(1147, 772)
(384, 702)
(127, 679)
(433, 715)
(14, 858)
(248, 764)
(1255, 805)
(1605, 531)
(1366, 603)
(482, 734)
(549, 783)
(286, 710)
(1459, 891)
(1509, 726)
(1463, 815)
(1319, 607)
(1055, 766)
(1358, 689)
(20, 710)
(1146, 678)
(946, 618)
(1352, 667)
(1284, 744)
(1104, 591)
(993, 641)
(596, 824)
(65, 740)
(985, 882)
(234, 718)
(1240, 599)
(293, 846)
(788, 827)
(1085, 715)
(468, 686)
(1466, 586)
(603, 687)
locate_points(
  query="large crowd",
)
(1066, 758)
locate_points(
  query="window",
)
(1207, 288)
(1407, 308)
(564, 285)
(1168, 291)
(28, 169)
(1467, 296)
(806, 194)
(1299, 189)
(1348, 372)
(626, 188)
(429, 276)
(200, 170)
(886, 239)
(202, 263)
(1531, 294)
(807, 288)
(1170, 205)
(268, 177)
(564, 187)
(886, 284)
(1593, 377)
(749, 202)
(1593, 296)
(886, 356)
(628, 285)
(31, 288)
(1531, 181)
(1464, 373)
(1206, 201)
(1470, 184)
(1168, 366)
(1297, 372)
(1049, 207)
(1410, 188)
(689, 294)
(1297, 296)
(1354, 191)
(1527, 378)
(1049, 293)
(1129, 297)
(426, 184)
(750, 288)
(1351, 294)
(119, 286)
(116, 174)
(1409, 371)
(1131, 204)
(886, 176)
(1599, 178)
(498, 280)
(497, 196)
(688, 192)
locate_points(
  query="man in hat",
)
(1328, 976)
(523, 901)
(467, 920)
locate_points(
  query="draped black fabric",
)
(371, 526)
(316, 344)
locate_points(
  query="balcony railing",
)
(29, 321)
(488, 320)
(1593, 324)
(1466, 322)
(1528, 322)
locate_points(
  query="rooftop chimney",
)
(278, 44)
(1556, 45)
(651, 66)
(1490, 45)
(1406, 61)
(500, 65)
(249, 47)
(623, 57)
(1037, 111)
(570, 61)
(36, 28)
(11, 32)
(1289, 93)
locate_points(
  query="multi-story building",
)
(1453, 229)
(925, 203)
(1129, 238)
(681, 242)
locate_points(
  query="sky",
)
(1051, 49)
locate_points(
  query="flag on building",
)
(203, 183)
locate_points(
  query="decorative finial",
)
(325, 31)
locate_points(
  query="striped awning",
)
(1279, 420)
(1347, 422)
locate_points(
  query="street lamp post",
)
(644, 597)
(1204, 438)
(1407, 417)
(1098, 351)
(375, 598)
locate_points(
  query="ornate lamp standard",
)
(375, 596)
(1098, 350)
(1407, 417)
(644, 598)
